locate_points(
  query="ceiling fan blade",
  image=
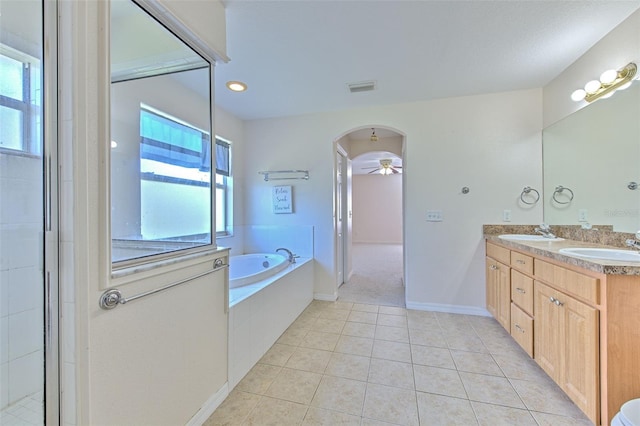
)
(374, 171)
(394, 171)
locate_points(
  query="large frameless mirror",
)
(591, 162)
(160, 140)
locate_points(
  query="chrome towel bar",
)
(113, 297)
(299, 174)
(528, 190)
(559, 190)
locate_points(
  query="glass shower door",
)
(24, 223)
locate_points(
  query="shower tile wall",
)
(21, 291)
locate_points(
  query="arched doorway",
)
(369, 185)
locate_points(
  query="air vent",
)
(363, 86)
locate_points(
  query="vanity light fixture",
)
(374, 137)
(609, 82)
(236, 86)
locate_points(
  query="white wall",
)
(377, 209)
(490, 143)
(231, 129)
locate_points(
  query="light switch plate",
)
(506, 215)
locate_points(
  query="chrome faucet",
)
(290, 256)
(545, 230)
(634, 242)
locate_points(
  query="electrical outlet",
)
(506, 215)
(434, 215)
(582, 215)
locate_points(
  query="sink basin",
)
(527, 237)
(619, 255)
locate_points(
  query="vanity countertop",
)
(550, 249)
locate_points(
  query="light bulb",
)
(114, 144)
(592, 86)
(578, 95)
(608, 95)
(609, 76)
(236, 86)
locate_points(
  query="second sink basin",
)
(527, 237)
(619, 255)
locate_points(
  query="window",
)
(20, 108)
(223, 185)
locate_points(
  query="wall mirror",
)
(594, 156)
(160, 140)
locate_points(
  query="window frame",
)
(227, 195)
(30, 112)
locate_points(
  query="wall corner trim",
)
(209, 406)
(451, 309)
(326, 297)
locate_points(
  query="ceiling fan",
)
(385, 168)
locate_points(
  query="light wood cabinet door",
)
(499, 292)
(547, 330)
(492, 287)
(566, 345)
(581, 355)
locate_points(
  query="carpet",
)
(377, 276)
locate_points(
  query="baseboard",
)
(327, 297)
(209, 406)
(452, 309)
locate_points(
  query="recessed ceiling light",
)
(236, 86)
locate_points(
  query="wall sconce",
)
(610, 81)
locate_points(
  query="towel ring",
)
(559, 190)
(527, 190)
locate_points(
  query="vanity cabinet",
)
(499, 284)
(582, 326)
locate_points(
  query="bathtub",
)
(262, 305)
(251, 268)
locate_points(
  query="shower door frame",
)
(51, 214)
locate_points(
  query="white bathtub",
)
(251, 268)
(259, 312)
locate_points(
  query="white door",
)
(340, 160)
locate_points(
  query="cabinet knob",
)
(556, 301)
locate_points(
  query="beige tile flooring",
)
(343, 363)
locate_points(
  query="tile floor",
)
(26, 412)
(343, 363)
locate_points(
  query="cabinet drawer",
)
(522, 291)
(522, 329)
(522, 262)
(571, 282)
(499, 253)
